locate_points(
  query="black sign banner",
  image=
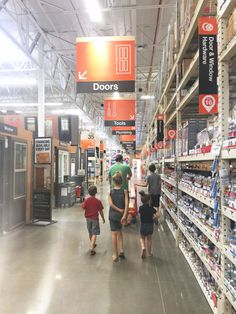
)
(5, 128)
(123, 132)
(119, 123)
(208, 65)
(160, 130)
(105, 87)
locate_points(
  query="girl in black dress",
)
(146, 212)
(118, 202)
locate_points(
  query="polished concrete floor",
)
(48, 270)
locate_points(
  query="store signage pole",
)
(41, 91)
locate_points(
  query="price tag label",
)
(215, 150)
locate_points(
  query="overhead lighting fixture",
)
(116, 95)
(13, 82)
(147, 97)
(94, 10)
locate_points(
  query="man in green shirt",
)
(123, 169)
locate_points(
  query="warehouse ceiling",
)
(30, 29)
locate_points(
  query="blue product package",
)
(216, 206)
(216, 220)
(213, 169)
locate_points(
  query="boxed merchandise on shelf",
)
(185, 65)
(230, 282)
(206, 281)
(231, 28)
(188, 133)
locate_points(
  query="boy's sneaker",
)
(92, 252)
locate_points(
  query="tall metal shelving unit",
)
(178, 106)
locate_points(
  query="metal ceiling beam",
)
(34, 43)
(3, 4)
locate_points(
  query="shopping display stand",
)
(43, 182)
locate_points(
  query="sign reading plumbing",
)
(123, 130)
(119, 112)
(208, 68)
(105, 64)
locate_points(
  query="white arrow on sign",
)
(131, 116)
(82, 75)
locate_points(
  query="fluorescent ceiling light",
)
(18, 104)
(147, 97)
(17, 82)
(116, 94)
(9, 51)
(74, 112)
(93, 10)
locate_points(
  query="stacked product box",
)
(188, 134)
(231, 27)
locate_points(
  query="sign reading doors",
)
(105, 64)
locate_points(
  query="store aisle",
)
(48, 270)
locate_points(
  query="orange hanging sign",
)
(119, 112)
(123, 130)
(105, 64)
(127, 138)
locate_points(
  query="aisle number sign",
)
(123, 130)
(171, 135)
(105, 64)
(87, 140)
(119, 112)
(208, 65)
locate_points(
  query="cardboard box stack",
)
(231, 27)
(188, 134)
(187, 9)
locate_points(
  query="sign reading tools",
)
(208, 69)
(123, 130)
(105, 64)
(119, 112)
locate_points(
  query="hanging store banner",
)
(129, 145)
(123, 130)
(42, 150)
(160, 145)
(171, 135)
(160, 127)
(127, 138)
(119, 112)
(105, 64)
(208, 65)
